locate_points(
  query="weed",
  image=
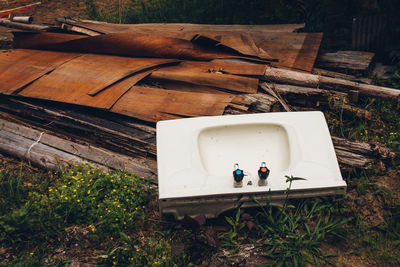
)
(293, 235)
(154, 250)
(106, 202)
(232, 238)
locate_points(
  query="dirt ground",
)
(44, 14)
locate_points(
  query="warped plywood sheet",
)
(22, 67)
(152, 104)
(297, 51)
(111, 82)
(132, 44)
(103, 27)
(293, 50)
(213, 79)
(232, 67)
(92, 80)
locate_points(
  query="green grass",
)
(41, 213)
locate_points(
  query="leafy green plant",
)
(153, 250)
(105, 202)
(232, 238)
(293, 235)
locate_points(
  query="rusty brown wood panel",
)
(213, 79)
(248, 69)
(127, 44)
(19, 68)
(241, 42)
(105, 77)
(181, 86)
(35, 40)
(308, 53)
(151, 104)
(103, 27)
(294, 50)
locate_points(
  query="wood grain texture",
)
(91, 153)
(104, 27)
(40, 154)
(128, 44)
(296, 51)
(353, 62)
(214, 66)
(213, 79)
(92, 80)
(315, 81)
(18, 68)
(121, 135)
(153, 105)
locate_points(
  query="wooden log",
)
(309, 97)
(36, 153)
(86, 152)
(348, 160)
(355, 62)
(260, 102)
(359, 154)
(290, 91)
(371, 149)
(316, 81)
(339, 75)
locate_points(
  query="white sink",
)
(196, 159)
(221, 146)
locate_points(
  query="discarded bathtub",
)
(207, 164)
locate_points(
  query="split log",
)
(355, 62)
(316, 81)
(36, 153)
(372, 149)
(86, 152)
(261, 102)
(362, 154)
(252, 103)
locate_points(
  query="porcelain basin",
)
(196, 159)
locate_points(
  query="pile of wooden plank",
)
(96, 97)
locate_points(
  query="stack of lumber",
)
(96, 97)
